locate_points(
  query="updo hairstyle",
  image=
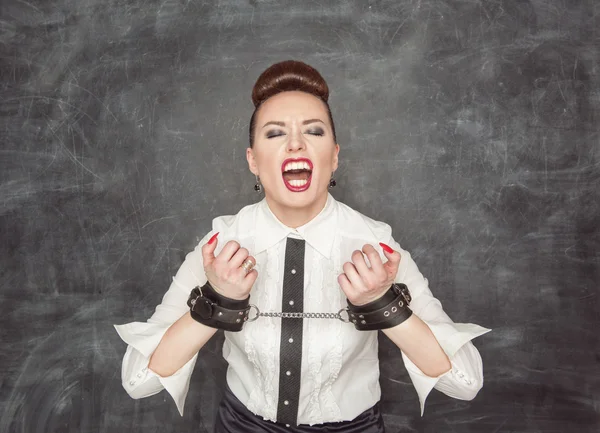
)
(288, 76)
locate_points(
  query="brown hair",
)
(288, 76)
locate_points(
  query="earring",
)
(258, 186)
(332, 182)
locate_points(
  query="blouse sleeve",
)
(142, 338)
(464, 380)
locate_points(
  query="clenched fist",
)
(225, 272)
(363, 284)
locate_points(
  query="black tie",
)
(291, 333)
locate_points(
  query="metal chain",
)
(302, 315)
(282, 315)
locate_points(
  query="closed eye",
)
(274, 133)
(317, 131)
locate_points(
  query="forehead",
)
(290, 105)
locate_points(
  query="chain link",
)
(282, 315)
(302, 315)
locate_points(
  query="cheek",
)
(326, 160)
(268, 166)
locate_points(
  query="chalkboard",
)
(471, 127)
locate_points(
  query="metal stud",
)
(238, 320)
(361, 317)
(364, 322)
(220, 313)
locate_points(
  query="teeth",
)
(298, 182)
(297, 166)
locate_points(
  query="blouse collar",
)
(318, 232)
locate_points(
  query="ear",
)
(251, 161)
(335, 157)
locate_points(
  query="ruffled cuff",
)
(451, 337)
(144, 338)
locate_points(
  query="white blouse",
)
(340, 367)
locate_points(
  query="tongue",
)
(297, 175)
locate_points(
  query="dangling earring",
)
(258, 186)
(332, 182)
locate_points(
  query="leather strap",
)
(386, 312)
(217, 311)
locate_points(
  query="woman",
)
(303, 356)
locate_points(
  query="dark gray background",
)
(469, 126)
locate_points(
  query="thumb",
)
(208, 249)
(391, 266)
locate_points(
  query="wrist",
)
(388, 311)
(212, 309)
(227, 297)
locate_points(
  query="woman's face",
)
(294, 150)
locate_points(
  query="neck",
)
(295, 217)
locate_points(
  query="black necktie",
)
(291, 333)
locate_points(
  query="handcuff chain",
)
(283, 315)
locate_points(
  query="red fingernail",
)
(211, 240)
(386, 248)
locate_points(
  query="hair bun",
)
(287, 76)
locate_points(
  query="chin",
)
(299, 200)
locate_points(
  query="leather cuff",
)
(386, 312)
(217, 311)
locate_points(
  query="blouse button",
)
(287, 425)
(286, 402)
(289, 373)
(291, 340)
(132, 383)
(139, 375)
(292, 302)
(293, 271)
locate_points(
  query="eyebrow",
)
(282, 124)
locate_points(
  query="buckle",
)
(401, 289)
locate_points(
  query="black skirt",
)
(234, 417)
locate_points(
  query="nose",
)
(296, 142)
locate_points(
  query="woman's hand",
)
(363, 284)
(224, 272)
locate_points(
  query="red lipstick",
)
(288, 185)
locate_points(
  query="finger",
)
(374, 258)
(208, 250)
(359, 263)
(346, 286)
(391, 266)
(239, 257)
(354, 278)
(250, 279)
(228, 251)
(242, 270)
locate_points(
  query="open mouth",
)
(297, 174)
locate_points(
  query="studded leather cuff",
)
(386, 312)
(217, 311)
